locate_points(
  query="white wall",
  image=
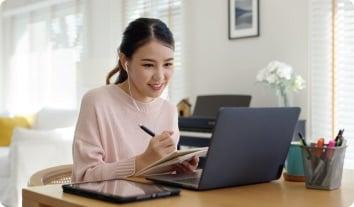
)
(218, 65)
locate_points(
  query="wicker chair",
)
(54, 175)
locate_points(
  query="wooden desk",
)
(277, 193)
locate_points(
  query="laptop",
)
(248, 146)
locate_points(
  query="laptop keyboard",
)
(193, 180)
(190, 179)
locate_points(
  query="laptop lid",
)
(248, 145)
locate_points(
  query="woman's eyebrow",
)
(152, 60)
(168, 59)
(147, 59)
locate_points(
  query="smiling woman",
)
(108, 142)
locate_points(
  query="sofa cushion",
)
(7, 124)
(42, 136)
(48, 118)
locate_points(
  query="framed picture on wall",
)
(243, 18)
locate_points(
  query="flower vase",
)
(283, 97)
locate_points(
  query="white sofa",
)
(48, 143)
(4, 164)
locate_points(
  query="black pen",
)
(302, 139)
(339, 139)
(147, 130)
(305, 145)
(338, 135)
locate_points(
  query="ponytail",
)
(110, 74)
(123, 75)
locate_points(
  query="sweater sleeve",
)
(88, 153)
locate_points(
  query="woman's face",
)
(150, 70)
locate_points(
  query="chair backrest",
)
(208, 105)
(54, 175)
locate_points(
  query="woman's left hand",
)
(188, 166)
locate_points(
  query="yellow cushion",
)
(7, 124)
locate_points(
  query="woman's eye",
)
(168, 65)
(148, 65)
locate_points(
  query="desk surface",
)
(276, 193)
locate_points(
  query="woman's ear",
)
(123, 60)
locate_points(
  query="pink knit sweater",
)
(108, 137)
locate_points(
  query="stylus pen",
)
(147, 130)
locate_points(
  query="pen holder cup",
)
(294, 167)
(323, 167)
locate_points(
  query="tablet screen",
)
(120, 190)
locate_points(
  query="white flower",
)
(272, 66)
(280, 75)
(284, 71)
(271, 79)
(299, 83)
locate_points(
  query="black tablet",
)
(120, 191)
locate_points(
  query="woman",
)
(108, 142)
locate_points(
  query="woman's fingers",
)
(180, 168)
(164, 140)
(166, 143)
(188, 166)
(168, 150)
(164, 135)
(192, 164)
(194, 161)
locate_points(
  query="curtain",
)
(41, 44)
(332, 71)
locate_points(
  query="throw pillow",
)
(7, 124)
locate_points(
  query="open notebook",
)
(166, 164)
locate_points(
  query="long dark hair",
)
(138, 33)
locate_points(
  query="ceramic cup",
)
(294, 163)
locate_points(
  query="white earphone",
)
(126, 66)
(130, 92)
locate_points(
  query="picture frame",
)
(243, 18)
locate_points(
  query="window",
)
(170, 12)
(40, 49)
(332, 71)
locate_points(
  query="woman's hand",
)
(159, 147)
(187, 166)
